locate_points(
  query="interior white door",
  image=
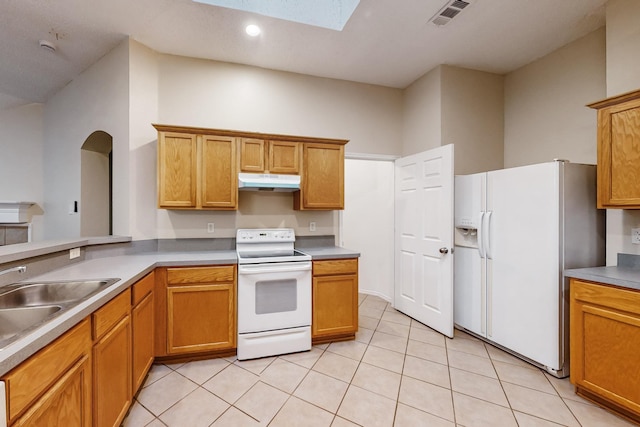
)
(424, 238)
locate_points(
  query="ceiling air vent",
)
(448, 12)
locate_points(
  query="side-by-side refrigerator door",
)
(469, 282)
(523, 247)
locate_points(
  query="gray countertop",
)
(626, 274)
(128, 269)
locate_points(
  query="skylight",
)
(331, 14)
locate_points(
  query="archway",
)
(96, 217)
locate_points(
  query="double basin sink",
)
(25, 307)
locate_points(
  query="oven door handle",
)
(274, 268)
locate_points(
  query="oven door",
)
(274, 296)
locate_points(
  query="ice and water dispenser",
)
(469, 193)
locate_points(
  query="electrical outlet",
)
(74, 253)
(210, 227)
(635, 236)
(312, 226)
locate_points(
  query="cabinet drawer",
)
(335, 266)
(181, 276)
(107, 316)
(33, 377)
(142, 288)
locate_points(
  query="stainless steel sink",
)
(25, 307)
(14, 321)
(45, 293)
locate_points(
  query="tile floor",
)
(397, 373)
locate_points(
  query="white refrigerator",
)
(516, 231)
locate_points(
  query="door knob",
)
(444, 250)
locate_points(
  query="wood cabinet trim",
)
(142, 288)
(335, 266)
(196, 275)
(613, 100)
(110, 314)
(245, 134)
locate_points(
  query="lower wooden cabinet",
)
(53, 387)
(335, 300)
(112, 361)
(201, 309)
(605, 340)
(142, 328)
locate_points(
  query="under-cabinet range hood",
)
(268, 182)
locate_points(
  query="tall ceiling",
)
(386, 42)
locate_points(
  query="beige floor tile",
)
(502, 356)
(406, 416)
(390, 342)
(377, 380)
(383, 358)
(467, 346)
(428, 371)
(202, 370)
(417, 325)
(426, 397)
(155, 373)
(138, 416)
(336, 366)
(396, 317)
(296, 413)
(156, 423)
(361, 298)
(594, 416)
(457, 333)
(525, 377)
(174, 366)
(565, 389)
(526, 420)
(165, 392)
(393, 328)
(306, 359)
(198, 409)
(434, 353)
(262, 402)
(374, 303)
(367, 408)
(255, 365)
(370, 312)
(321, 346)
(322, 390)
(539, 404)
(351, 349)
(472, 412)
(236, 418)
(469, 362)
(426, 335)
(231, 383)
(341, 422)
(478, 386)
(364, 335)
(368, 322)
(283, 375)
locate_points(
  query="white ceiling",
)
(386, 42)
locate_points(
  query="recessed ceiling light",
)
(253, 30)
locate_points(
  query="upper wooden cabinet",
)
(619, 151)
(322, 186)
(196, 171)
(277, 157)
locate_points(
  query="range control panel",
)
(265, 235)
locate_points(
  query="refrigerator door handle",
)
(481, 235)
(487, 236)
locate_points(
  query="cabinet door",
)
(605, 338)
(219, 180)
(66, 403)
(252, 155)
(284, 157)
(201, 318)
(322, 177)
(177, 170)
(142, 325)
(112, 375)
(335, 305)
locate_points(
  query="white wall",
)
(21, 167)
(219, 95)
(94, 192)
(473, 118)
(623, 75)
(545, 113)
(98, 99)
(422, 114)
